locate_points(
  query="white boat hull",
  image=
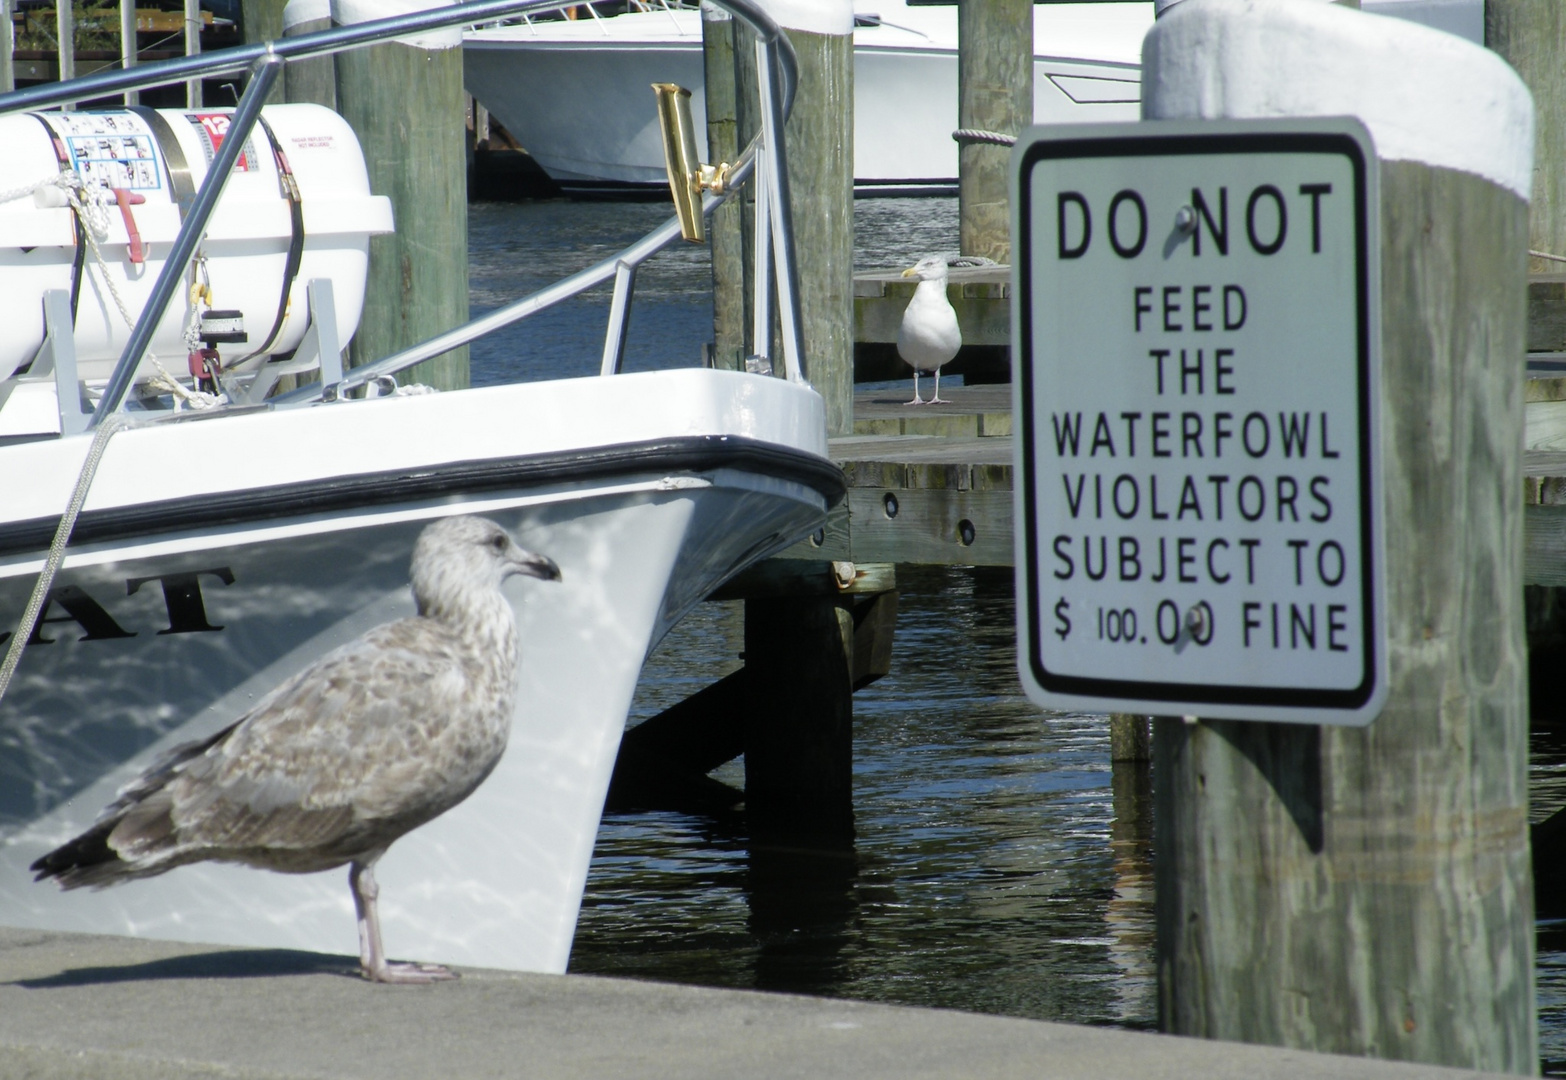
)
(576, 95)
(708, 472)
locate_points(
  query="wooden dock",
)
(933, 483)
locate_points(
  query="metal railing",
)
(777, 75)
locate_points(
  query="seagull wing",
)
(341, 759)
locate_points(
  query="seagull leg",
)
(936, 398)
(917, 400)
(373, 964)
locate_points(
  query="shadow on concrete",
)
(224, 964)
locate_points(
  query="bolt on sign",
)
(1196, 361)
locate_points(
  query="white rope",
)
(62, 535)
(979, 135)
(1546, 255)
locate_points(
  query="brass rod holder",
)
(688, 177)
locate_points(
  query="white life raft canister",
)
(297, 207)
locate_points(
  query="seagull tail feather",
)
(133, 827)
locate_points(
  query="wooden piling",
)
(405, 104)
(815, 632)
(263, 21)
(1130, 738)
(7, 47)
(1367, 890)
(799, 760)
(820, 140)
(994, 93)
(193, 95)
(1531, 36)
(729, 317)
(313, 80)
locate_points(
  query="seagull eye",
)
(498, 543)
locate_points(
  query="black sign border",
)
(1153, 145)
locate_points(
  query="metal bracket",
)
(56, 359)
(619, 319)
(318, 348)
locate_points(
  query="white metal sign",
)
(1196, 361)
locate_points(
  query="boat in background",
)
(227, 541)
(569, 91)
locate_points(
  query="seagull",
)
(368, 743)
(929, 335)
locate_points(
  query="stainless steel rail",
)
(778, 75)
(564, 289)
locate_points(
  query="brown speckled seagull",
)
(371, 741)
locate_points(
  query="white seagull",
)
(929, 335)
(366, 744)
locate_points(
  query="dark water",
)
(982, 875)
(518, 248)
(1000, 864)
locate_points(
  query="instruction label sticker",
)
(1196, 370)
(111, 148)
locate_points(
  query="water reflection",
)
(1547, 793)
(983, 875)
(1131, 930)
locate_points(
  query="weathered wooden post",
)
(313, 80)
(994, 93)
(1367, 890)
(799, 758)
(1270, 401)
(7, 47)
(1531, 36)
(1130, 738)
(820, 140)
(265, 20)
(404, 102)
(729, 317)
(193, 95)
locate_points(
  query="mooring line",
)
(62, 534)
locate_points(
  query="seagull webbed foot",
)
(409, 974)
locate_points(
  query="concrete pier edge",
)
(76, 1005)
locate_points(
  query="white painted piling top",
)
(296, 12)
(1426, 96)
(346, 12)
(813, 16)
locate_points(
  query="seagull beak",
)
(912, 271)
(528, 564)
